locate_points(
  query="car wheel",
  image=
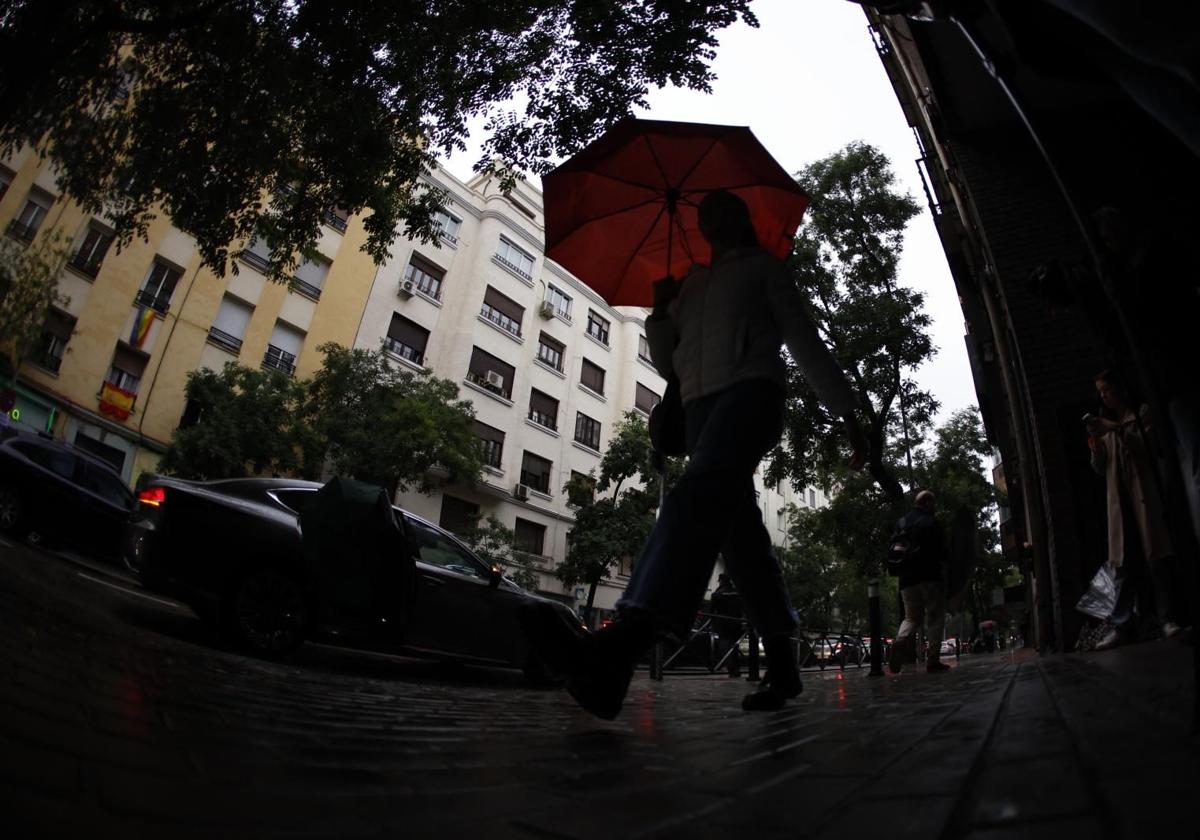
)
(12, 511)
(266, 613)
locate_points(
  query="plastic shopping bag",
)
(1100, 598)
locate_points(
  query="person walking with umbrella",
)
(719, 332)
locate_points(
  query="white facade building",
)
(549, 367)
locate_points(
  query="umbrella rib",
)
(618, 211)
(645, 236)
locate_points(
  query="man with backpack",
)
(917, 555)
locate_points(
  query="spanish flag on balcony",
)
(116, 402)
(141, 326)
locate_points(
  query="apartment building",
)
(549, 367)
(113, 361)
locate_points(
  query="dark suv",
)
(58, 492)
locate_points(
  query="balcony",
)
(160, 303)
(513, 267)
(490, 452)
(257, 261)
(335, 221)
(536, 481)
(480, 379)
(279, 360)
(225, 341)
(404, 351)
(87, 266)
(546, 421)
(501, 320)
(305, 288)
(21, 232)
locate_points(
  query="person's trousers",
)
(924, 604)
(713, 509)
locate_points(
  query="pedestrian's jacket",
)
(927, 565)
(727, 324)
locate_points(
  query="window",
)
(587, 431)
(458, 515)
(491, 445)
(529, 537)
(502, 311)
(229, 327)
(91, 251)
(586, 483)
(488, 372)
(159, 286)
(283, 348)
(257, 254)
(438, 549)
(111, 455)
(812, 498)
(52, 344)
(425, 276)
(58, 461)
(447, 225)
(543, 409)
(597, 327)
(310, 277)
(406, 339)
(559, 300)
(535, 472)
(550, 352)
(625, 566)
(513, 258)
(337, 218)
(25, 226)
(645, 399)
(126, 369)
(592, 377)
(6, 178)
(644, 349)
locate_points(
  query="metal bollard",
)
(752, 666)
(656, 660)
(875, 620)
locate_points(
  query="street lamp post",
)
(875, 620)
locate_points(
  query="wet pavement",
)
(120, 715)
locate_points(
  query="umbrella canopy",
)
(621, 214)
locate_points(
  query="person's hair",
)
(1112, 381)
(923, 497)
(728, 217)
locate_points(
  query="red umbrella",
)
(621, 214)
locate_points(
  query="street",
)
(121, 715)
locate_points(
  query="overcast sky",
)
(807, 82)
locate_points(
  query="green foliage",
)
(610, 528)
(370, 419)
(204, 108)
(358, 415)
(28, 290)
(246, 425)
(496, 544)
(844, 262)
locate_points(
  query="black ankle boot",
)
(782, 680)
(607, 661)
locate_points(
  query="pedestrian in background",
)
(720, 332)
(922, 587)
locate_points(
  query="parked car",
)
(949, 647)
(232, 551)
(51, 490)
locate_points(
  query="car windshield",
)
(438, 549)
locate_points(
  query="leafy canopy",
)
(28, 291)
(203, 108)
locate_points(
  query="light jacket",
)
(727, 323)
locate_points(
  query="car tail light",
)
(152, 496)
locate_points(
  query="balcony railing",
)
(545, 420)
(20, 231)
(158, 302)
(550, 357)
(511, 266)
(255, 261)
(480, 379)
(404, 351)
(279, 360)
(335, 221)
(538, 481)
(49, 361)
(225, 341)
(87, 266)
(490, 452)
(305, 288)
(501, 320)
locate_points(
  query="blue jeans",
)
(713, 509)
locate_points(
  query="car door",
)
(455, 602)
(105, 504)
(52, 499)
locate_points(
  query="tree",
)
(240, 421)
(496, 544)
(614, 527)
(28, 290)
(377, 422)
(205, 108)
(844, 262)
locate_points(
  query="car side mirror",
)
(495, 575)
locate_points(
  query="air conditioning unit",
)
(521, 492)
(407, 287)
(494, 379)
(546, 310)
